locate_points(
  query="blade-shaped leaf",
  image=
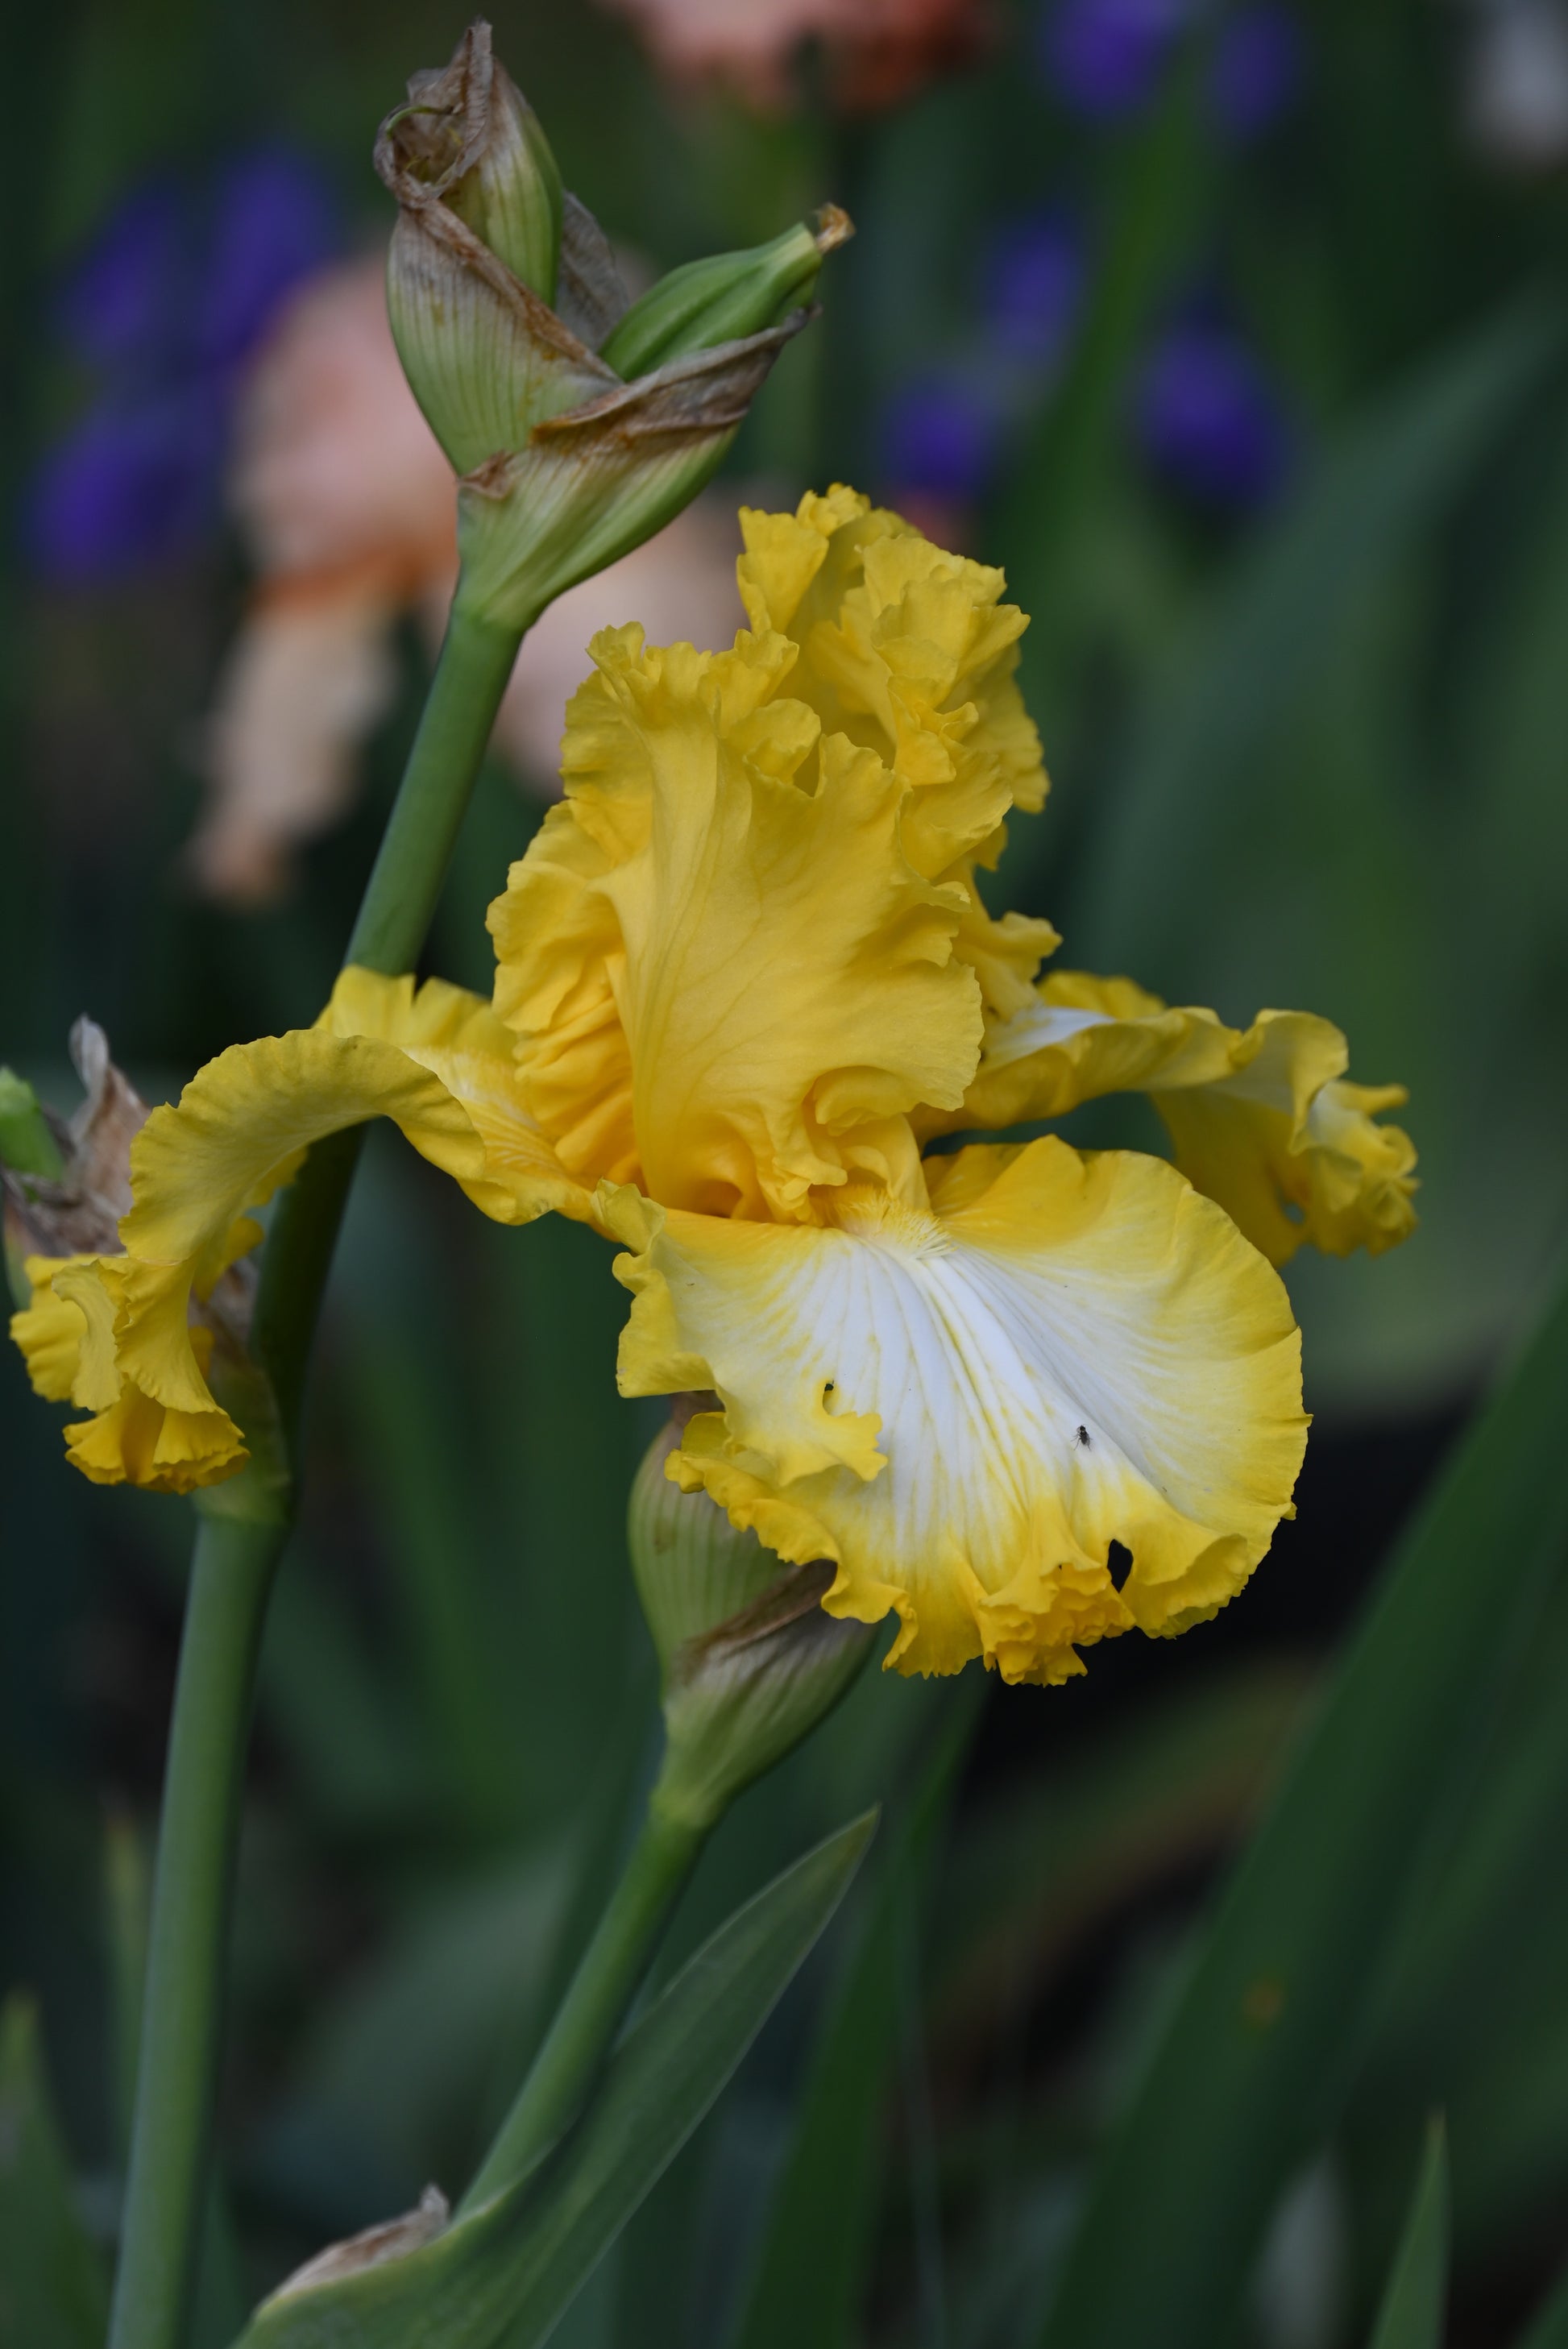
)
(1411, 2315)
(1263, 2039)
(1284, 612)
(806, 2282)
(53, 2292)
(1549, 2328)
(1056, 1849)
(507, 2272)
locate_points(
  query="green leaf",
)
(1289, 605)
(1412, 2316)
(53, 2290)
(1549, 2328)
(1059, 1848)
(509, 2271)
(1265, 2035)
(1162, 200)
(806, 2281)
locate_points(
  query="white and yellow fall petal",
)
(967, 1408)
(719, 979)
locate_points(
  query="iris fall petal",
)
(967, 1407)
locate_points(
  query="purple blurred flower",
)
(1105, 58)
(121, 303)
(1035, 277)
(273, 224)
(939, 434)
(132, 484)
(1209, 418)
(167, 304)
(1260, 56)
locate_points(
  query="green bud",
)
(469, 136)
(748, 1661)
(727, 296)
(476, 256)
(515, 336)
(27, 1144)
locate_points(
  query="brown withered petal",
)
(485, 355)
(590, 297)
(79, 1213)
(422, 150)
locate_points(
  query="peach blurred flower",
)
(346, 505)
(878, 51)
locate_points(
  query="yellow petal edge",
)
(114, 1333)
(1261, 1120)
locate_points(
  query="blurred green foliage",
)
(1312, 754)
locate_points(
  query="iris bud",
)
(577, 426)
(728, 295)
(470, 137)
(748, 1661)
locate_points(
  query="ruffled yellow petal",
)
(723, 970)
(1261, 1119)
(1076, 1038)
(49, 1329)
(1329, 1177)
(911, 652)
(460, 1040)
(966, 1408)
(119, 1336)
(1003, 950)
(67, 1334)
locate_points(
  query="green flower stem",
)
(166, 2191)
(400, 896)
(602, 1990)
(236, 1555)
(476, 660)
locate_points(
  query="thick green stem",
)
(235, 1555)
(400, 897)
(603, 1988)
(166, 2191)
(405, 882)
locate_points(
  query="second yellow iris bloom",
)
(745, 980)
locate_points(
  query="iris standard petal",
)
(911, 652)
(720, 964)
(969, 1408)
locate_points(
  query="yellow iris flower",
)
(743, 978)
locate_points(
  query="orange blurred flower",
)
(346, 504)
(878, 51)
